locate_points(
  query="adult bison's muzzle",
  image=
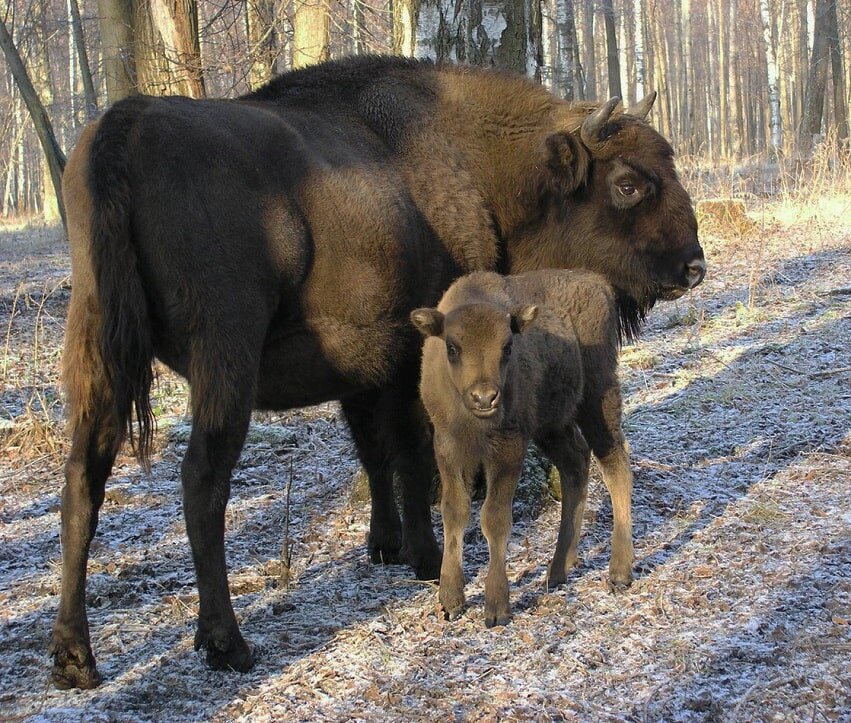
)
(693, 274)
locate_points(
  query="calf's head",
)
(612, 203)
(478, 340)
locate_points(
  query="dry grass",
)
(738, 419)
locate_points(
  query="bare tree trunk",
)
(83, 60)
(627, 50)
(590, 64)
(738, 140)
(613, 61)
(262, 41)
(43, 127)
(311, 32)
(640, 69)
(840, 113)
(119, 63)
(567, 48)
(770, 46)
(405, 26)
(816, 82)
(168, 55)
(723, 11)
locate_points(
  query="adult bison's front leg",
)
(206, 488)
(391, 436)
(385, 526)
(409, 441)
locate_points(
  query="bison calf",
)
(512, 359)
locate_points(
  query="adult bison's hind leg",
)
(93, 448)
(222, 376)
(206, 471)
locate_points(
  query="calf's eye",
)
(452, 352)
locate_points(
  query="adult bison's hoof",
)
(385, 549)
(425, 560)
(226, 651)
(74, 667)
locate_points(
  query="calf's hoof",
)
(619, 582)
(494, 619)
(452, 603)
(225, 651)
(74, 667)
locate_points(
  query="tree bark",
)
(43, 127)
(816, 82)
(168, 55)
(590, 64)
(311, 32)
(613, 61)
(83, 61)
(770, 46)
(567, 48)
(405, 26)
(119, 63)
(834, 42)
(262, 41)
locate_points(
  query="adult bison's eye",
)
(452, 352)
(627, 189)
(506, 350)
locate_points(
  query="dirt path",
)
(739, 418)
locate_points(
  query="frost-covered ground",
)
(739, 419)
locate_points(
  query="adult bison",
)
(271, 248)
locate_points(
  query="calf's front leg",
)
(455, 510)
(496, 525)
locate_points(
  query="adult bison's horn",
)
(642, 108)
(593, 124)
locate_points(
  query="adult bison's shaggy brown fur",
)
(271, 248)
(509, 359)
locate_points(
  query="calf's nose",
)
(695, 271)
(484, 396)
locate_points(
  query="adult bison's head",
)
(612, 203)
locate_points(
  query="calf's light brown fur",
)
(506, 360)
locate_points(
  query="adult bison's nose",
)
(483, 399)
(695, 271)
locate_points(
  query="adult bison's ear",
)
(522, 317)
(568, 162)
(428, 321)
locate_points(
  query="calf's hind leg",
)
(570, 453)
(600, 422)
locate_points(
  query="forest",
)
(740, 81)
(736, 399)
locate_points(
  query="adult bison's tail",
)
(125, 342)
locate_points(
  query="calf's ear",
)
(522, 317)
(428, 321)
(568, 163)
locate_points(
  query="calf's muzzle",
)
(483, 399)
